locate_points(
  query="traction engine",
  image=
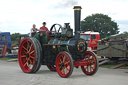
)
(59, 49)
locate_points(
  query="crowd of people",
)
(34, 29)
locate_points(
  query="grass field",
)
(108, 66)
(5, 59)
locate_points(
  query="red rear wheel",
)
(64, 64)
(92, 65)
(51, 67)
(29, 55)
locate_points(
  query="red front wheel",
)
(64, 64)
(29, 55)
(92, 63)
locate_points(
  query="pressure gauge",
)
(69, 33)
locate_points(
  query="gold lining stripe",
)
(54, 41)
(59, 41)
(67, 46)
(58, 47)
(79, 44)
(77, 8)
(54, 47)
(49, 41)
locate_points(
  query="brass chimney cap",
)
(77, 8)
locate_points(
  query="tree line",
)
(96, 22)
(15, 38)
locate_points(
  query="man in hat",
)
(44, 28)
(33, 30)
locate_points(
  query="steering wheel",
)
(54, 28)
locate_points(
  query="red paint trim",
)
(80, 63)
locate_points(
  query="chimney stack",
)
(77, 16)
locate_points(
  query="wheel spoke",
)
(25, 64)
(91, 67)
(25, 52)
(93, 64)
(63, 59)
(52, 67)
(30, 47)
(60, 66)
(87, 67)
(92, 61)
(67, 62)
(60, 61)
(32, 52)
(55, 28)
(89, 58)
(28, 43)
(25, 48)
(62, 70)
(67, 69)
(32, 57)
(23, 56)
(31, 62)
(59, 29)
(29, 65)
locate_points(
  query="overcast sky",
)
(19, 15)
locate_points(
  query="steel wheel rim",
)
(26, 55)
(91, 66)
(63, 64)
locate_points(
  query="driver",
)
(44, 28)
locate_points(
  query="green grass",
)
(124, 67)
(15, 43)
(108, 66)
(5, 59)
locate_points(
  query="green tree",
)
(15, 36)
(100, 23)
(125, 33)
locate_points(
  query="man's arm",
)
(47, 29)
(34, 30)
(37, 29)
